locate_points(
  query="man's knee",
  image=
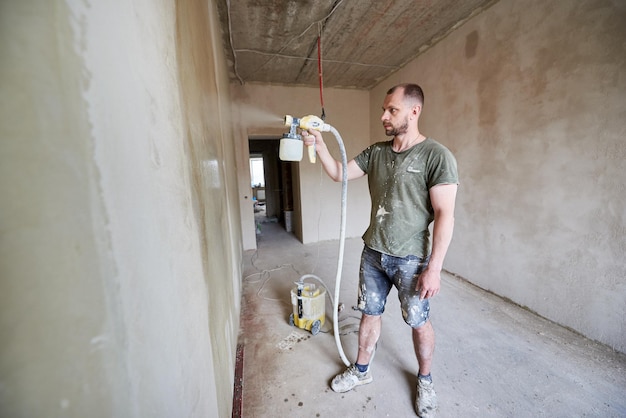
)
(416, 315)
(370, 320)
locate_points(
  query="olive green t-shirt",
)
(399, 184)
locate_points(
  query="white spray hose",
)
(342, 239)
(313, 122)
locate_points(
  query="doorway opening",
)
(272, 184)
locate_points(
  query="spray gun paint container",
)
(290, 149)
(309, 308)
(291, 144)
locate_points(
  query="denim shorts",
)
(379, 272)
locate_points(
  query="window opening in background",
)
(256, 172)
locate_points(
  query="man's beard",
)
(402, 129)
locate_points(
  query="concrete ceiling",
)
(362, 42)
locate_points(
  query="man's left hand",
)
(429, 283)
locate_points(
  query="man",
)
(413, 182)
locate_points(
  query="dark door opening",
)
(274, 197)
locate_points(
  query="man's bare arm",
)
(442, 198)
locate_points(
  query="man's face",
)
(395, 116)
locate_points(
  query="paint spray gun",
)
(291, 142)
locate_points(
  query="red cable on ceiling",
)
(321, 77)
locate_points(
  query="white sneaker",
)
(426, 400)
(350, 379)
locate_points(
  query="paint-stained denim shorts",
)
(379, 272)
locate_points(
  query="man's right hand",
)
(312, 137)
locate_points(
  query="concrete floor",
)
(493, 359)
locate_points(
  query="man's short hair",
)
(411, 91)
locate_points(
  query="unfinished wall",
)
(259, 110)
(119, 255)
(530, 98)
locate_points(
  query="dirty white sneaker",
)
(426, 400)
(350, 378)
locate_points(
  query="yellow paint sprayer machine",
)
(309, 306)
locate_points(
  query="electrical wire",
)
(278, 54)
(265, 276)
(230, 38)
(320, 21)
(296, 57)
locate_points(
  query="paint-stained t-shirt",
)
(399, 184)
